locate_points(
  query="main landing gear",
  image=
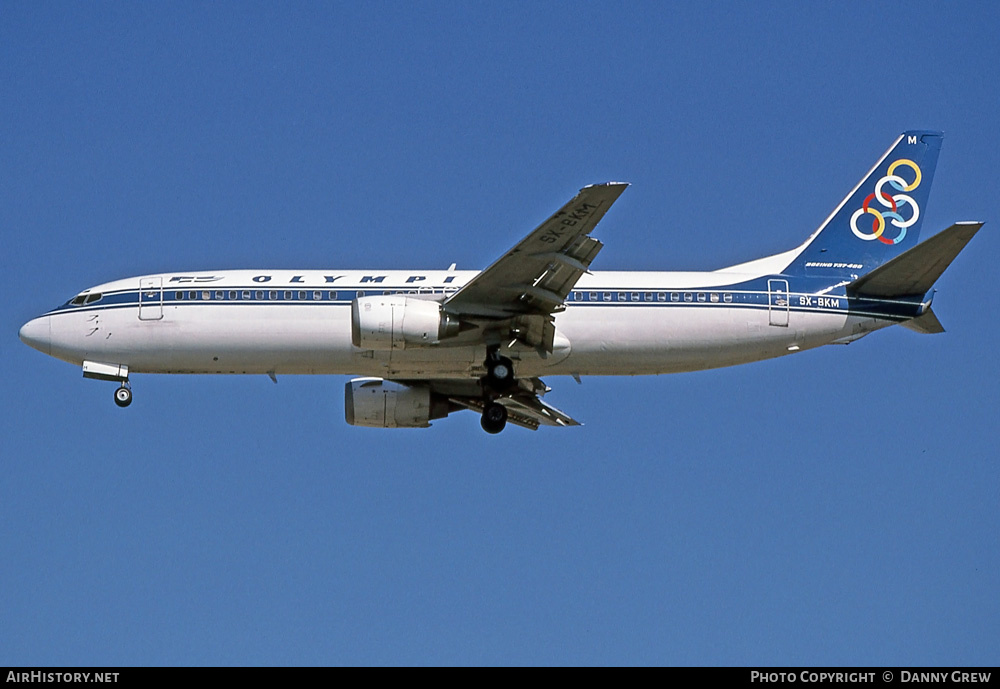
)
(494, 417)
(123, 395)
(499, 379)
(499, 371)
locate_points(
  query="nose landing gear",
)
(116, 373)
(123, 395)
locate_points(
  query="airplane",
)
(428, 343)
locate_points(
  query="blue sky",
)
(835, 507)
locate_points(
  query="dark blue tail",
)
(880, 218)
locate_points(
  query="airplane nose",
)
(37, 333)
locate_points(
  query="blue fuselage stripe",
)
(737, 296)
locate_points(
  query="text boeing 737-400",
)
(431, 342)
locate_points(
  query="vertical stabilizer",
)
(880, 218)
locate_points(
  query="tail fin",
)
(880, 218)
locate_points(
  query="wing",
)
(529, 284)
(528, 413)
(525, 407)
(518, 296)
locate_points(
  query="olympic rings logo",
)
(893, 202)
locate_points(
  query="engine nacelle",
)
(397, 321)
(383, 404)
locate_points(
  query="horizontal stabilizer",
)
(927, 324)
(915, 271)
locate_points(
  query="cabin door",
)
(778, 302)
(150, 299)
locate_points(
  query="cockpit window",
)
(85, 298)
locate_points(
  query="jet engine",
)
(383, 404)
(397, 321)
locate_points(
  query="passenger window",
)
(178, 295)
(302, 295)
(206, 295)
(287, 295)
(219, 294)
(635, 296)
(258, 295)
(607, 296)
(593, 296)
(246, 294)
(272, 295)
(701, 296)
(232, 294)
(688, 296)
(728, 298)
(714, 298)
(674, 296)
(661, 296)
(317, 295)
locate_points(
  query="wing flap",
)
(513, 416)
(532, 406)
(525, 407)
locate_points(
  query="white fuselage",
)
(299, 322)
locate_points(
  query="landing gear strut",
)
(494, 417)
(499, 371)
(498, 380)
(123, 395)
